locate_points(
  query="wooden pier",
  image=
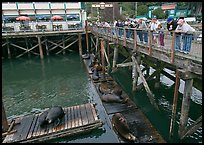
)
(187, 67)
(78, 119)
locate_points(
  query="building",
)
(72, 12)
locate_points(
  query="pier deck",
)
(77, 119)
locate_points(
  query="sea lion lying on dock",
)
(110, 87)
(51, 115)
(86, 56)
(121, 126)
(95, 75)
(112, 98)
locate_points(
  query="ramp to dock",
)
(77, 119)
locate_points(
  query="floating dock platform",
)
(77, 119)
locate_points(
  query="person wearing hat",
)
(187, 38)
(171, 24)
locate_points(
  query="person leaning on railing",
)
(142, 33)
(171, 26)
(187, 37)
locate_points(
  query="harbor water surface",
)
(32, 84)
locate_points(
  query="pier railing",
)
(161, 39)
(34, 26)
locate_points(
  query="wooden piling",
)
(27, 50)
(80, 45)
(134, 77)
(103, 59)
(115, 56)
(46, 46)
(4, 119)
(40, 47)
(87, 36)
(8, 48)
(63, 45)
(173, 114)
(185, 106)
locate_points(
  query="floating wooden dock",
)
(137, 121)
(77, 119)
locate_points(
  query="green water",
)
(29, 84)
(164, 98)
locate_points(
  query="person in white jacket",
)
(187, 37)
(153, 27)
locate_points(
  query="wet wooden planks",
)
(76, 117)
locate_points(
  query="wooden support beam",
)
(134, 77)
(124, 64)
(18, 46)
(185, 107)
(67, 46)
(46, 46)
(4, 119)
(173, 114)
(92, 43)
(80, 45)
(8, 48)
(103, 59)
(115, 56)
(149, 93)
(87, 36)
(40, 47)
(63, 45)
(197, 124)
(26, 42)
(30, 50)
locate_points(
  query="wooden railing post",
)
(124, 42)
(173, 47)
(135, 39)
(150, 42)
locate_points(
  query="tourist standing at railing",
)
(187, 38)
(171, 26)
(142, 33)
(153, 27)
(161, 35)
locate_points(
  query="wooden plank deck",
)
(77, 119)
(137, 121)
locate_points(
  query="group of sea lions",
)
(51, 115)
(111, 93)
(95, 68)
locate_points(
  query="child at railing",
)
(161, 35)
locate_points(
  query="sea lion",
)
(121, 126)
(117, 90)
(86, 56)
(42, 118)
(54, 113)
(112, 98)
(104, 88)
(95, 75)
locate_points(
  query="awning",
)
(168, 7)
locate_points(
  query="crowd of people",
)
(179, 26)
